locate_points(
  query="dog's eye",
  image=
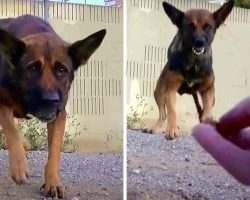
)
(191, 25)
(60, 70)
(34, 67)
(206, 26)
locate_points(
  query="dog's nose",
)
(199, 42)
(51, 97)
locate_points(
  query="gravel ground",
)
(179, 169)
(86, 176)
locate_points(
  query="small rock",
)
(75, 198)
(11, 193)
(230, 187)
(226, 184)
(160, 183)
(187, 160)
(106, 194)
(178, 181)
(136, 171)
(79, 194)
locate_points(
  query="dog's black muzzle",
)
(199, 46)
(44, 105)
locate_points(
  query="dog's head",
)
(44, 68)
(198, 27)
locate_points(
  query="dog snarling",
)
(189, 66)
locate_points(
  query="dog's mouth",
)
(45, 116)
(198, 50)
(43, 106)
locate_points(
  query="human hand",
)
(229, 141)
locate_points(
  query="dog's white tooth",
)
(29, 115)
(198, 52)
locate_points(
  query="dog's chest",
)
(192, 79)
(193, 75)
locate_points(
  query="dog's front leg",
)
(53, 186)
(174, 81)
(208, 100)
(18, 166)
(172, 131)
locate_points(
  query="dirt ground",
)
(86, 176)
(174, 170)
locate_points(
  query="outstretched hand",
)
(229, 141)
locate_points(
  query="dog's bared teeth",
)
(198, 51)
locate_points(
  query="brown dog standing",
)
(189, 67)
(37, 69)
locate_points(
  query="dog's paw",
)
(53, 188)
(18, 166)
(149, 130)
(172, 133)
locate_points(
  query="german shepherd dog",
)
(37, 68)
(189, 67)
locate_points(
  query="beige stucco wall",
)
(149, 35)
(96, 93)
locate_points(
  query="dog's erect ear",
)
(175, 15)
(11, 46)
(81, 51)
(222, 13)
